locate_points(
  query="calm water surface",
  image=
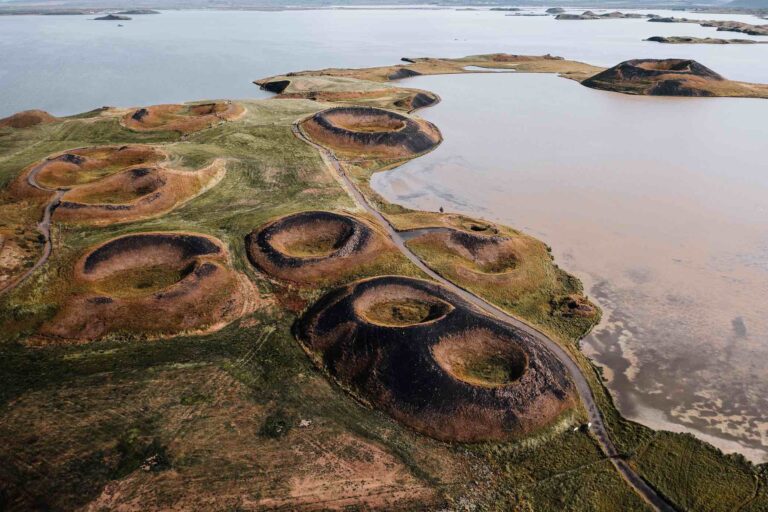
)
(70, 64)
(659, 204)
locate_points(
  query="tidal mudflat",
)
(658, 204)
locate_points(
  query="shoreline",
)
(613, 438)
(726, 443)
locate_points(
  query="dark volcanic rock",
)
(422, 100)
(112, 17)
(276, 86)
(352, 236)
(402, 73)
(411, 371)
(410, 136)
(71, 158)
(667, 77)
(140, 114)
(187, 245)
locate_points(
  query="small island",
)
(700, 40)
(137, 12)
(589, 15)
(113, 17)
(721, 26)
(671, 77)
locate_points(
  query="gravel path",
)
(585, 392)
(44, 227)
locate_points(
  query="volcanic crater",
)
(371, 132)
(182, 118)
(432, 361)
(111, 184)
(658, 77)
(489, 254)
(152, 284)
(312, 246)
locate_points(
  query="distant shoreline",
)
(78, 10)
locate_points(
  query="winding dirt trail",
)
(598, 428)
(43, 227)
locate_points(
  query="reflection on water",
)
(70, 64)
(657, 203)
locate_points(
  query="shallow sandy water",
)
(658, 204)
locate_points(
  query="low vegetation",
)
(240, 417)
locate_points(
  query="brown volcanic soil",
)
(182, 118)
(351, 90)
(111, 184)
(314, 246)
(150, 284)
(85, 165)
(670, 77)
(452, 373)
(371, 132)
(27, 119)
(136, 193)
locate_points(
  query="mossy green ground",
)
(399, 312)
(207, 409)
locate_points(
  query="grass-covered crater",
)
(149, 284)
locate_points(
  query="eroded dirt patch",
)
(455, 375)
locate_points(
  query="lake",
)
(71, 64)
(657, 204)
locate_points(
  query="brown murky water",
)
(660, 205)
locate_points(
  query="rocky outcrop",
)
(403, 73)
(721, 26)
(700, 40)
(589, 15)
